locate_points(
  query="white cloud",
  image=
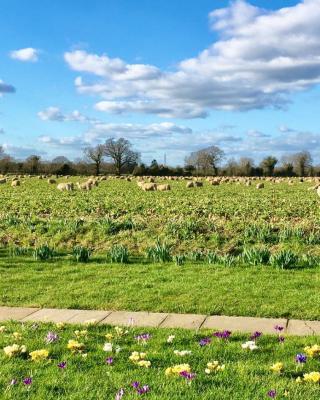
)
(259, 60)
(28, 54)
(55, 114)
(22, 152)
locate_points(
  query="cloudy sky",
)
(170, 76)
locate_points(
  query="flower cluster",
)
(39, 355)
(14, 350)
(214, 367)
(223, 334)
(277, 367)
(75, 346)
(140, 359)
(182, 353)
(313, 377)
(313, 351)
(176, 370)
(250, 345)
(51, 337)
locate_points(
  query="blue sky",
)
(170, 78)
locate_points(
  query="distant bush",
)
(81, 254)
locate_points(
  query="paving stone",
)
(84, 316)
(303, 328)
(128, 318)
(15, 313)
(51, 315)
(187, 321)
(243, 324)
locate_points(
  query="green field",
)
(229, 249)
(247, 374)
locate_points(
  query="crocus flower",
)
(109, 361)
(135, 384)
(281, 339)
(187, 375)
(143, 337)
(144, 389)
(222, 335)
(51, 337)
(272, 394)
(27, 381)
(119, 394)
(62, 365)
(255, 335)
(301, 358)
(204, 342)
(13, 382)
(279, 328)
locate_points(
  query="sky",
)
(172, 77)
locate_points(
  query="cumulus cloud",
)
(260, 58)
(6, 88)
(22, 152)
(55, 114)
(28, 54)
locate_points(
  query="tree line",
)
(119, 157)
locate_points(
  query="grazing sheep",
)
(215, 183)
(149, 187)
(15, 183)
(163, 188)
(190, 185)
(65, 187)
(198, 183)
(51, 181)
(260, 185)
(85, 185)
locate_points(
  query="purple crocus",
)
(279, 328)
(301, 358)
(189, 376)
(255, 335)
(51, 337)
(135, 384)
(119, 394)
(143, 390)
(144, 337)
(281, 339)
(109, 360)
(222, 335)
(272, 393)
(62, 365)
(204, 341)
(27, 381)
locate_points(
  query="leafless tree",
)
(121, 153)
(206, 160)
(95, 154)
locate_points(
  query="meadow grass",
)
(87, 375)
(165, 287)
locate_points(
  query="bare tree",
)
(302, 162)
(96, 155)
(121, 153)
(206, 160)
(246, 166)
(268, 164)
(33, 164)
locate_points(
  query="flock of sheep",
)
(148, 183)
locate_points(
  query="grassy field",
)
(95, 374)
(191, 288)
(224, 218)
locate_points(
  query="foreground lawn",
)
(100, 371)
(192, 288)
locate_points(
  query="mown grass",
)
(165, 287)
(247, 374)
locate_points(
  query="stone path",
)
(161, 320)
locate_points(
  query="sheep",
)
(198, 183)
(51, 181)
(318, 191)
(190, 184)
(65, 186)
(149, 187)
(85, 185)
(3, 180)
(163, 188)
(260, 185)
(15, 183)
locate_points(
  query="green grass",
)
(247, 374)
(165, 287)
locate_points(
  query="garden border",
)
(161, 320)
